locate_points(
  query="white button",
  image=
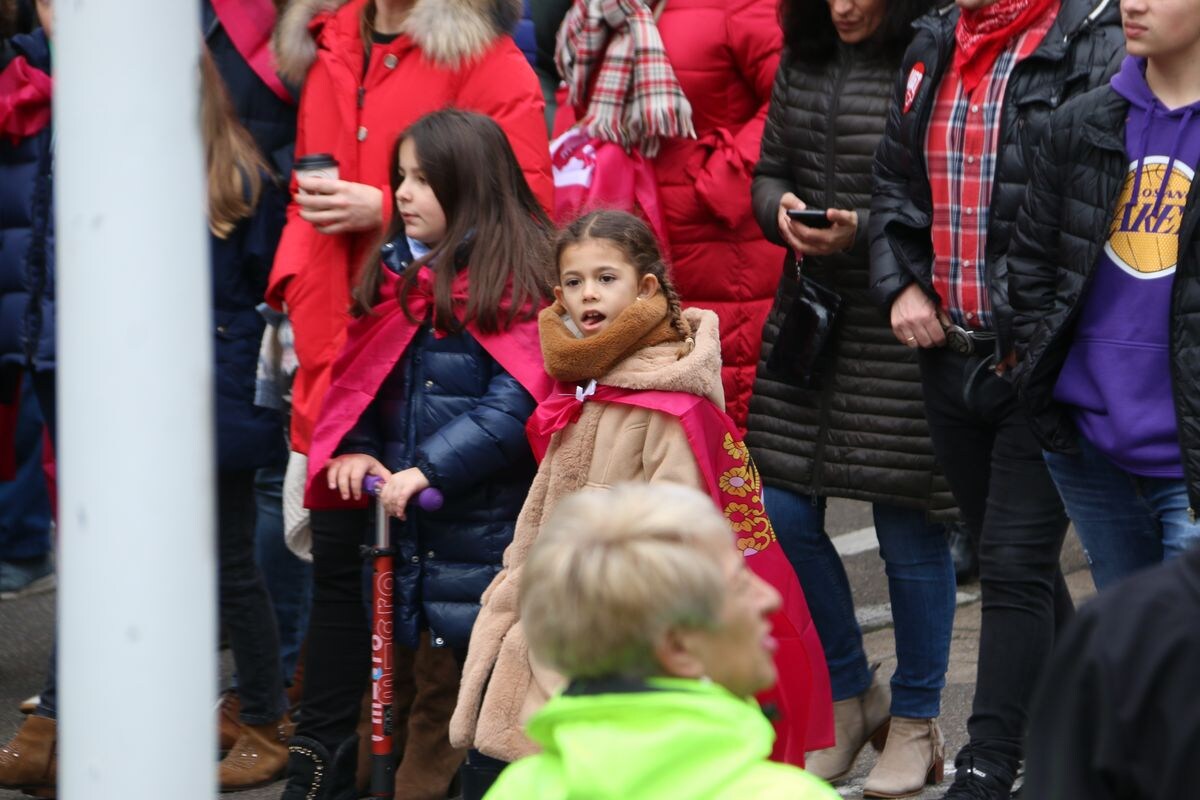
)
(967, 263)
(970, 315)
(430, 554)
(428, 384)
(975, 109)
(439, 641)
(970, 211)
(970, 159)
(390, 61)
(362, 133)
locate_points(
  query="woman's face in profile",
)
(856, 20)
(739, 652)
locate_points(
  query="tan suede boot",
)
(913, 757)
(29, 761)
(257, 758)
(229, 723)
(856, 721)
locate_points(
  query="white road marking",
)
(855, 542)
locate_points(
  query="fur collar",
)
(660, 368)
(447, 31)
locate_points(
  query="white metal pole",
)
(137, 669)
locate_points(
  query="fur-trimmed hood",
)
(447, 31)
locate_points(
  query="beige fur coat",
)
(609, 444)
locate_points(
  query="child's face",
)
(1161, 28)
(424, 219)
(596, 283)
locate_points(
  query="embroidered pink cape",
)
(375, 343)
(802, 695)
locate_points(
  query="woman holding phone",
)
(861, 433)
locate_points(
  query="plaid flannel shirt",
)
(960, 150)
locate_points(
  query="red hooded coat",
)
(451, 54)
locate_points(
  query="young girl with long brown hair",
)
(433, 388)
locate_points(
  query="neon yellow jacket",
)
(666, 739)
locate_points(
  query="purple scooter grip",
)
(428, 499)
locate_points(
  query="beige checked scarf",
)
(636, 99)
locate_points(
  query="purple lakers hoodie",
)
(1117, 376)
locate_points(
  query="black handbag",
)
(801, 352)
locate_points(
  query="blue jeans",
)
(289, 578)
(1125, 521)
(920, 582)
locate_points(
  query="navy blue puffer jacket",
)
(450, 410)
(248, 436)
(26, 232)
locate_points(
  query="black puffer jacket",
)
(1060, 233)
(449, 409)
(863, 434)
(1081, 50)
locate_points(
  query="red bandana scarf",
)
(983, 33)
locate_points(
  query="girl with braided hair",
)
(639, 399)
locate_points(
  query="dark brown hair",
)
(637, 244)
(494, 225)
(235, 166)
(810, 36)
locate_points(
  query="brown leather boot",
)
(257, 758)
(913, 757)
(429, 763)
(29, 761)
(856, 721)
(229, 723)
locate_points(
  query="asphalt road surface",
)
(26, 628)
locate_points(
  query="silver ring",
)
(911, 339)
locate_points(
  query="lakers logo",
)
(1141, 242)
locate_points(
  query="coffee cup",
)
(316, 165)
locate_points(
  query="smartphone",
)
(812, 217)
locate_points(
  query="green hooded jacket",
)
(666, 738)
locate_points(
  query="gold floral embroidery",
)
(738, 482)
(742, 518)
(737, 450)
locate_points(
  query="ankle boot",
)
(913, 757)
(229, 722)
(257, 758)
(29, 761)
(314, 775)
(856, 720)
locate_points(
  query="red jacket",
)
(725, 53)
(357, 116)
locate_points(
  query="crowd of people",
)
(941, 260)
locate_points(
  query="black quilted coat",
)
(1059, 235)
(863, 435)
(1082, 49)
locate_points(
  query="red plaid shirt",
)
(960, 149)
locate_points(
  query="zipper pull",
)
(362, 94)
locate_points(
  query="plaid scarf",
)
(635, 98)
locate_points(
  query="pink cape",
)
(24, 100)
(802, 694)
(375, 343)
(249, 24)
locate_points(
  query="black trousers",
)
(339, 638)
(995, 469)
